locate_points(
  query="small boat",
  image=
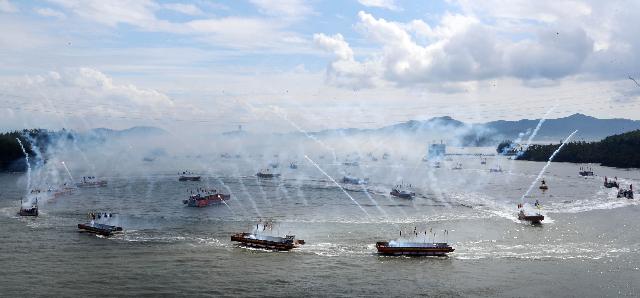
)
(91, 181)
(458, 166)
(397, 248)
(265, 173)
(611, 183)
(204, 198)
(585, 172)
(483, 161)
(274, 165)
(29, 211)
(436, 164)
(99, 229)
(543, 185)
(534, 219)
(188, 176)
(293, 166)
(626, 193)
(497, 169)
(385, 156)
(402, 191)
(351, 163)
(354, 180)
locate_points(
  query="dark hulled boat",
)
(611, 183)
(626, 193)
(267, 174)
(30, 211)
(354, 180)
(91, 181)
(206, 198)
(188, 176)
(585, 172)
(543, 185)
(401, 191)
(99, 229)
(534, 219)
(413, 248)
(267, 242)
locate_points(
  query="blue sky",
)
(318, 64)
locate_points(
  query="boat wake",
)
(604, 199)
(533, 251)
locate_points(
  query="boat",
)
(483, 161)
(293, 166)
(385, 156)
(274, 165)
(188, 176)
(626, 193)
(458, 166)
(351, 163)
(611, 183)
(497, 169)
(436, 164)
(102, 226)
(29, 211)
(99, 229)
(397, 248)
(265, 173)
(204, 198)
(543, 185)
(585, 172)
(257, 239)
(401, 191)
(91, 181)
(354, 180)
(534, 219)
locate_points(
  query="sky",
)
(289, 65)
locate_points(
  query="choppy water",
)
(588, 246)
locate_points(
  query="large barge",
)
(99, 229)
(267, 242)
(205, 198)
(396, 248)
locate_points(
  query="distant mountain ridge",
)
(590, 128)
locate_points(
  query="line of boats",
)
(258, 240)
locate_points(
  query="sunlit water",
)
(588, 244)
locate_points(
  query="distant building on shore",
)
(436, 151)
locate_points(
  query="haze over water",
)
(175, 250)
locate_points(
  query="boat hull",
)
(28, 212)
(262, 175)
(533, 219)
(402, 195)
(92, 184)
(206, 201)
(189, 178)
(439, 250)
(99, 229)
(281, 244)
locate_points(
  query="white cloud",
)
(225, 32)
(462, 48)
(388, 4)
(345, 71)
(188, 9)
(84, 92)
(7, 6)
(49, 12)
(293, 9)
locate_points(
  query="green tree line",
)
(622, 151)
